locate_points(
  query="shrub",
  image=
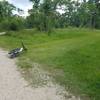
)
(4, 25)
(13, 24)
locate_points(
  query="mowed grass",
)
(72, 56)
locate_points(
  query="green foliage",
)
(75, 13)
(46, 14)
(13, 24)
(43, 15)
(4, 25)
(8, 21)
(6, 9)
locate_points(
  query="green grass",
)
(72, 56)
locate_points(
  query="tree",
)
(6, 9)
(45, 14)
(35, 3)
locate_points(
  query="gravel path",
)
(14, 87)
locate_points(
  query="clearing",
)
(71, 56)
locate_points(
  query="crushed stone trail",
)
(14, 87)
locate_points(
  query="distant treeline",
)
(47, 14)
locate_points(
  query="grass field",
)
(72, 56)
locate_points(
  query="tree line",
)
(48, 14)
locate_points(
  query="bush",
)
(13, 24)
(4, 25)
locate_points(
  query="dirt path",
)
(14, 87)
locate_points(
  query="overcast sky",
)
(23, 4)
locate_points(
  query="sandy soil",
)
(14, 87)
